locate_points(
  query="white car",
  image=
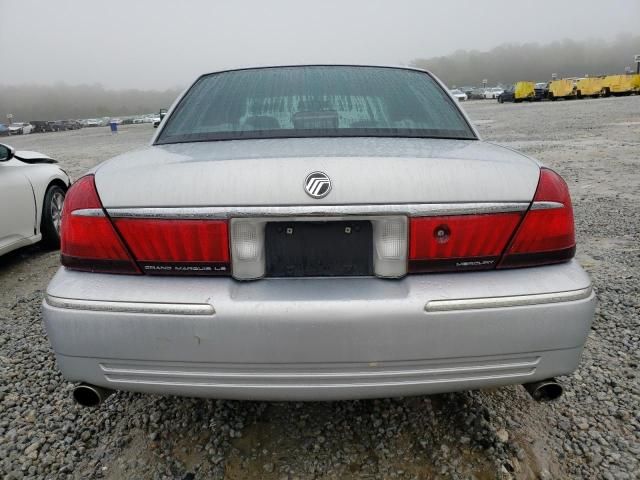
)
(458, 94)
(20, 128)
(32, 191)
(493, 93)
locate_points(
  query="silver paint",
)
(268, 173)
(319, 338)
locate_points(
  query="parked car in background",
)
(4, 130)
(158, 119)
(59, 126)
(92, 122)
(458, 94)
(466, 90)
(507, 95)
(477, 94)
(72, 124)
(35, 188)
(541, 90)
(492, 93)
(20, 128)
(281, 239)
(41, 126)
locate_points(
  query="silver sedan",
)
(313, 233)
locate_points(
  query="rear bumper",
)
(319, 339)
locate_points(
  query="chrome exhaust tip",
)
(90, 395)
(544, 390)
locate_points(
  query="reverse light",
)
(247, 254)
(389, 246)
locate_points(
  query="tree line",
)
(62, 101)
(510, 63)
(505, 64)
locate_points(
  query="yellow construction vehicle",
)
(518, 92)
(563, 88)
(589, 87)
(525, 91)
(620, 85)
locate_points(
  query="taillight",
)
(92, 242)
(177, 247)
(546, 234)
(460, 242)
(88, 240)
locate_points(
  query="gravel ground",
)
(592, 432)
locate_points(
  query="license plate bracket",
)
(319, 249)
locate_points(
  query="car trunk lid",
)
(272, 173)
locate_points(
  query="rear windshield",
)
(315, 101)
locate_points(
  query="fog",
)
(510, 62)
(154, 44)
(503, 64)
(59, 101)
(69, 59)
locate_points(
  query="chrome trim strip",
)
(410, 209)
(524, 364)
(131, 307)
(546, 205)
(298, 386)
(510, 301)
(88, 212)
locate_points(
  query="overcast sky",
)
(156, 44)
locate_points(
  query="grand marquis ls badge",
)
(317, 184)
